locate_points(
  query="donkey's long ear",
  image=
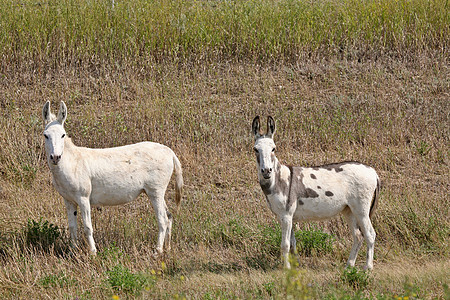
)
(270, 126)
(62, 113)
(46, 114)
(255, 127)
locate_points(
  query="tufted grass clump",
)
(355, 278)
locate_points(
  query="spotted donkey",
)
(296, 193)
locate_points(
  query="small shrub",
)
(41, 233)
(269, 287)
(314, 241)
(355, 278)
(122, 279)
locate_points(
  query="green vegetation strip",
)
(67, 31)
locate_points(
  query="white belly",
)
(318, 209)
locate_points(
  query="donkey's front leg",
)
(286, 229)
(72, 220)
(85, 208)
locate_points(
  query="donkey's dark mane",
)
(336, 166)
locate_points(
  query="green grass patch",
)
(311, 241)
(60, 280)
(121, 279)
(314, 242)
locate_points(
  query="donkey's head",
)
(54, 132)
(264, 147)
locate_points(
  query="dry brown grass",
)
(389, 114)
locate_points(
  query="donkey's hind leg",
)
(164, 224)
(168, 238)
(369, 236)
(365, 225)
(357, 238)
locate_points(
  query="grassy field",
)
(344, 80)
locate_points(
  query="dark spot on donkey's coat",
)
(328, 193)
(313, 176)
(310, 193)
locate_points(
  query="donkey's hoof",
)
(156, 253)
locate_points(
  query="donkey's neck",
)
(69, 144)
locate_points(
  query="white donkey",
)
(110, 176)
(296, 194)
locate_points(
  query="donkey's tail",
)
(376, 194)
(178, 180)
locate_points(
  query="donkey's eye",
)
(46, 136)
(63, 136)
(273, 150)
(256, 150)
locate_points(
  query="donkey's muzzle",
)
(266, 173)
(55, 158)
